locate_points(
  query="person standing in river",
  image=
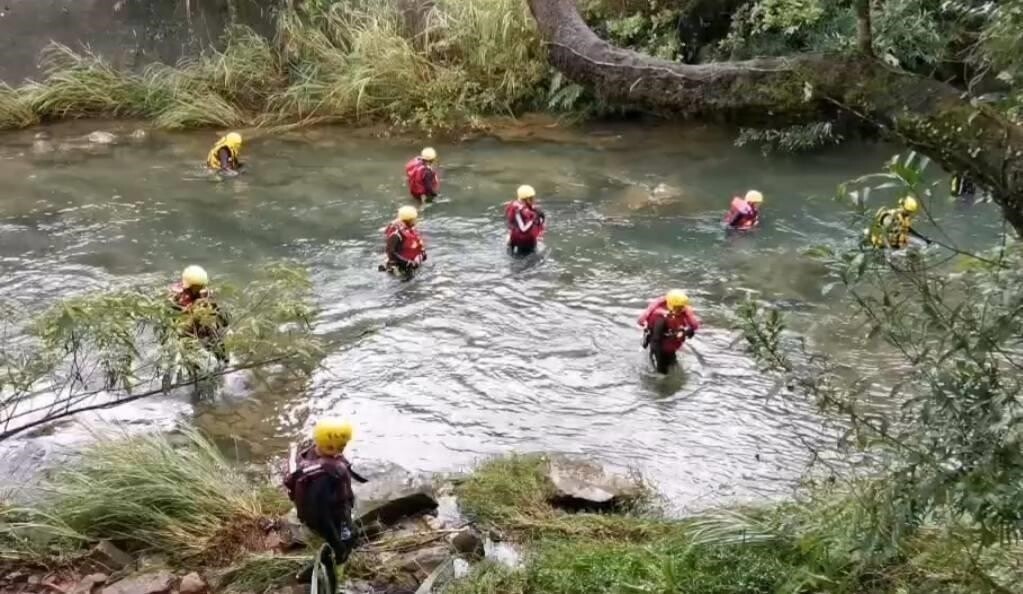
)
(893, 227)
(319, 483)
(667, 323)
(525, 222)
(224, 156)
(421, 173)
(744, 213)
(405, 249)
(205, 320)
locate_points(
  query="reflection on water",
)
(481, 354)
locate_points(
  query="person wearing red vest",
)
(667, 323)
(405, 248)
(423, 182)
(525, 222)
(744, 213)
(319, 483)
(206, 321)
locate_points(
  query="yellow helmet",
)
(408, 214)
(428, 154)
(676, 299)
(909, 204)
(526, 193)
(754, 197)
(234, 140)
(332, 435)
(194, 276)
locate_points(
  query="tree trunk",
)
(929, 116)
(864, 35)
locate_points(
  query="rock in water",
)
(99, 137)
(192, 584)
(157, 582)
(139, 134)
(583, 484)
(391, 496)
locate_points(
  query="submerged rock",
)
(100, 137)
(583, 484)
(139, 134)
(157, 582)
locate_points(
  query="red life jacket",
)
(747, 213)
(184, 298)
(412, 246)
(415, 171)
(657, 309)
(518, 236)
(310, 466)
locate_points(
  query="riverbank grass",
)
(354, 62)
(178, 496)
(852, 540)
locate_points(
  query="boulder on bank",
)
(391, 496)
(586, 485)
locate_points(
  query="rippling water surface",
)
(481, 354)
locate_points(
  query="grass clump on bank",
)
(445, 65)
(852, 541)
(145, 493)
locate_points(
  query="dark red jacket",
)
(314, 467)
(422, 179)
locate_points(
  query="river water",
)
(481, 354)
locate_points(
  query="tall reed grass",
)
(356, 61)
(142, 492)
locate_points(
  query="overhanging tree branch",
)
(933, 118)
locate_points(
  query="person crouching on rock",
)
(319, 483)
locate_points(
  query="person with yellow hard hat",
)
(744, 212)
(421, 174)
(225, 155)
(667, 323)
(319, 483)
(525, 221)
(405, 249)
(892, 227)
(204, 319)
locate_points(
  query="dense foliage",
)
(105, 348)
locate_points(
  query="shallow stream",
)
(481, 354)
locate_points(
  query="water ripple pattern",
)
(481, 354)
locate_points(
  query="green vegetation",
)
(831, 541)
(174, 494)
(105, 348)
(357, 62)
